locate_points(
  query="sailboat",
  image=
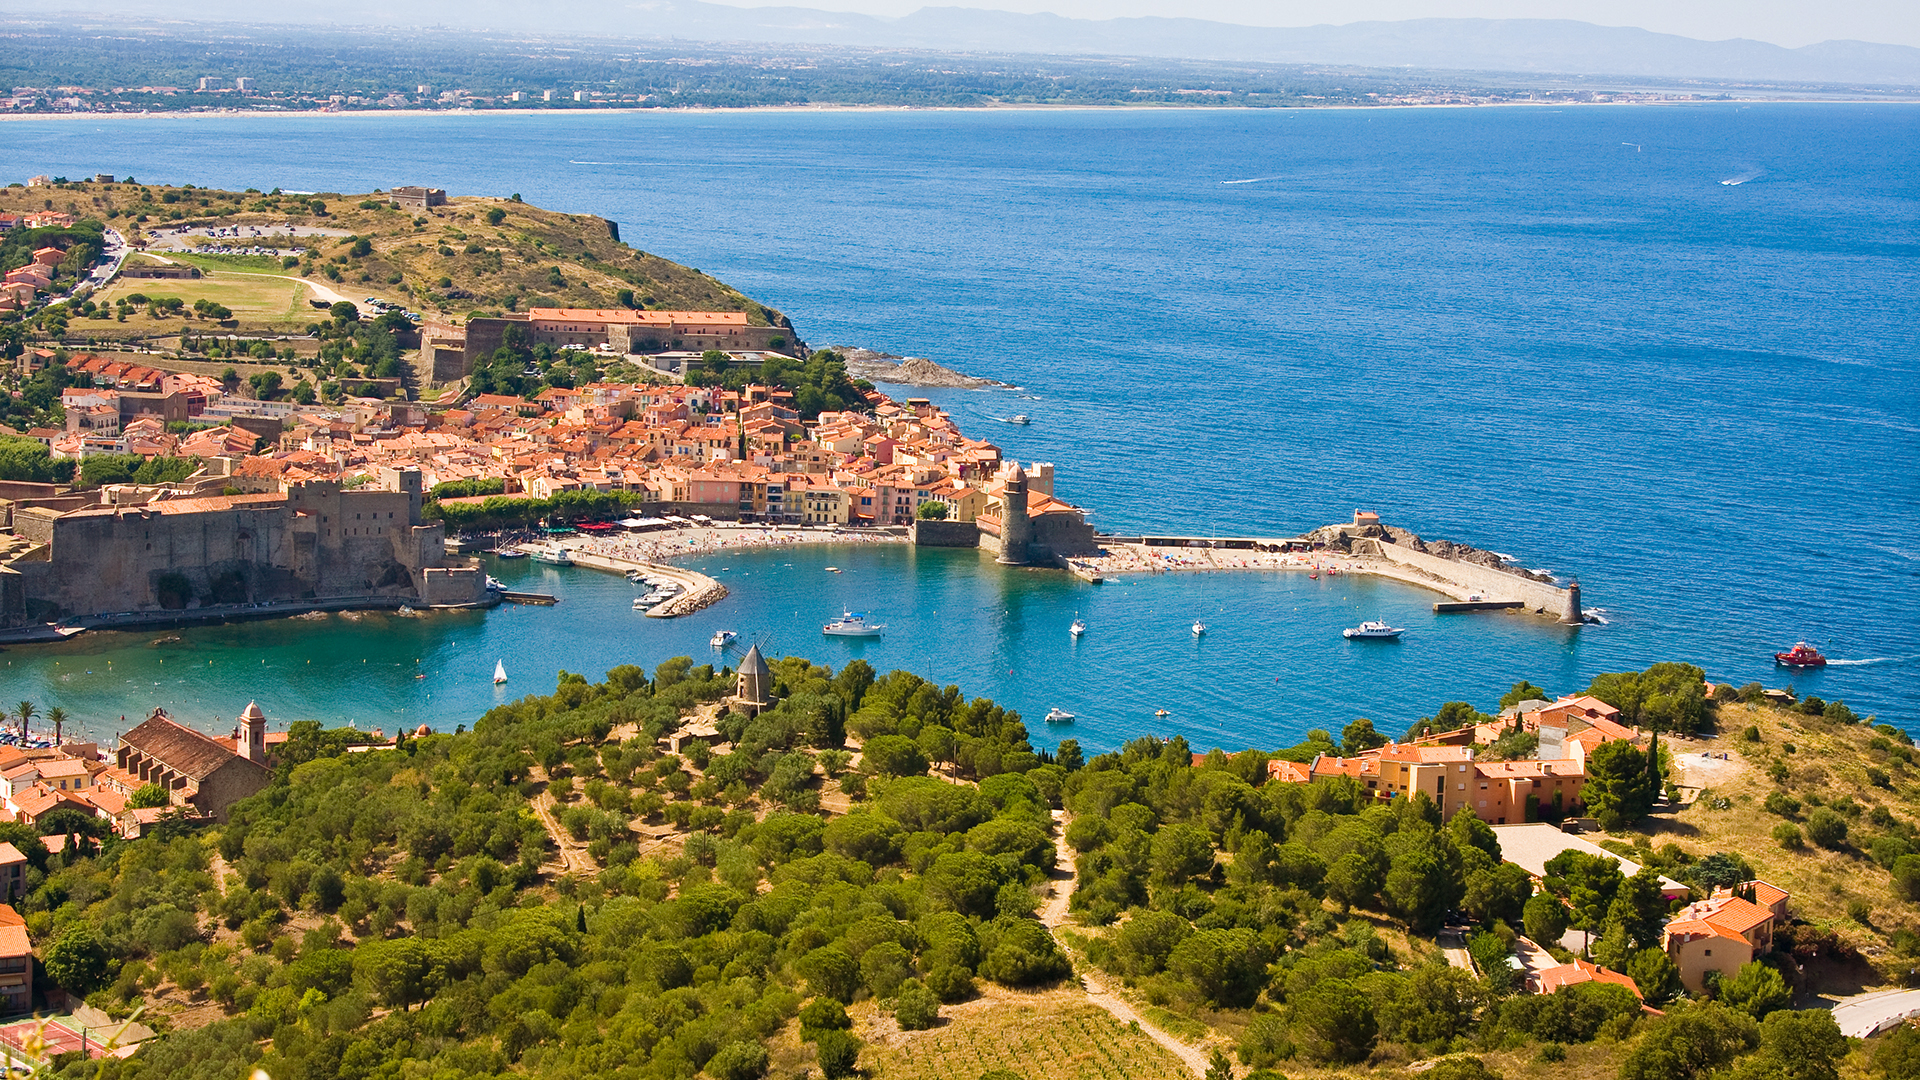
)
(499, 672)
(1199, 628)
(1079, 626)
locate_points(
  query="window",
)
(1709, 952)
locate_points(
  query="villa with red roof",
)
(1722, 933)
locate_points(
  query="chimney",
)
(254, 746)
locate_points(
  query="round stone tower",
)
(1574, 615)
(1016, 528)
(756, 681)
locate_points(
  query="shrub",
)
(839, 1053)
(1860, 911)
(1778, 772)
(1787, 835)
(1779, 802)
(1827, 828)
(914, 1006)
(739, 1061)
(1752, 734)
(1879, 778)
(1906, 877)
(1756, 989)
(1265, 1043)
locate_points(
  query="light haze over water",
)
(1671, 351)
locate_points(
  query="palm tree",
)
(24, 711)
(57, 716)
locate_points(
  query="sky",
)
(1791, 23)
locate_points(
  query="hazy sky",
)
(1784, 22)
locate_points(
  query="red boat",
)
(1801, 655)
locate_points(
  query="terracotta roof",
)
(180, 748)
(14, 941)
(10, 854)
(10, 917)
(1553, 978)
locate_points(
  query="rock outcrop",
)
(907, 371)
(1341, 538)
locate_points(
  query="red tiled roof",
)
(179, 747)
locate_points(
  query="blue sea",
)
(1670, 351)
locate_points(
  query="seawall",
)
(1483, 581)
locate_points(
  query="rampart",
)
(960, 534)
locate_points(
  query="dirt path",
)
(1053, 914)
(573, 854)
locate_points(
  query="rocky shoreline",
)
(882, 367)
(1341, 537)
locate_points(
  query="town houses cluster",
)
(732, 454)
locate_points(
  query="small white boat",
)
(722, 638)
(509, 553)
(1079, 627)
(833, 569)
(852, 624)
(1059, 716)
(494, 584)
(1373, 631)
(553, 557)
(499, 672)
(640, 603)
(1199, 628)
(634, 577)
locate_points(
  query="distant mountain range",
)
(1532, 46)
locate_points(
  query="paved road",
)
(1453, 945)
(1865, 1014)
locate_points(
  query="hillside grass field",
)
(474, 254)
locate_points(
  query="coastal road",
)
(1864, 1014)
(1053, 914)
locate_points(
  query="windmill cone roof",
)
(754, 663)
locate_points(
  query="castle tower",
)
(1574, 615)
(756, 681)
(253, 725)
(1016, 528)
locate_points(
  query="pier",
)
(538, 599)
(697, 589)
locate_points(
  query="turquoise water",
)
(1271, 664)
(1668, 350)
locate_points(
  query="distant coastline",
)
(835, 108)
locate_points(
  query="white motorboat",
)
(634, 577)
(1059, 716)
(499, 672)
(1019, 418)
(1079, 627)
(553, 556)
(641, 603)
(494, 584)
(722, 638)
(852, 624)
(1199, 628)
(1373, 630)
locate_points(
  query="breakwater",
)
(1361, 548)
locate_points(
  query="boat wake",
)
(1736, 181)
(1253, 180)
(1865, 663)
